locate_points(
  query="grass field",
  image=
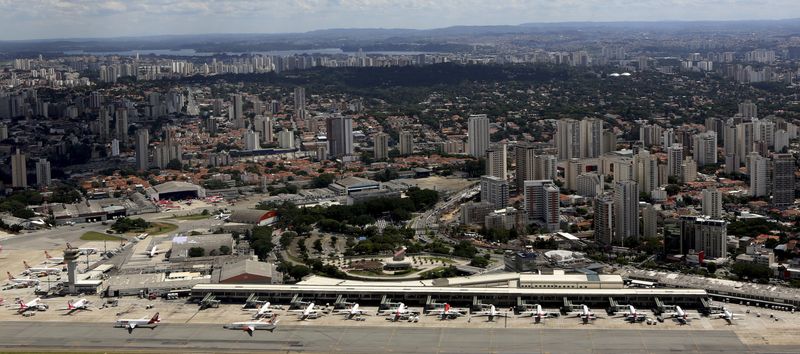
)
(159, 228)
(96, 236)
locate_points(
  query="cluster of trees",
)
(752, 227)
(123, 225)
(17, 203)
(752, 271)
(261, 241)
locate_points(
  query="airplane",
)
(351, 312)
(83, 250)
(632, 315)
(401, 312)
(263, 311)
(33, 305)
(586, 315)
(80, 305)
(681, 316)
(728, 316)
(154, 251)
(491, 313)
(308, 313)
(54, 260)
(537, 314)
(252, 326)
(446, 313)
(22, 281)
(40, 270)
(222, 216)
(144, 322)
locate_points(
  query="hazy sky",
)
(26, 19)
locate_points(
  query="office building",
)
(478, 135)
(19, 170)
(43, 177)
(496, 157)
(626, 210)
(494, 190)
(340, 135)
(381, 146)
(541, 200)
(783, 178)
(142, 149)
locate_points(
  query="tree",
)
(322, 180)
(464, 249)
(672, 189)
(123, 225)
(751, 271)
(197, 252)
(318, 245)
(479, 261)
(297, 272)
(224, 250)
(174, 164)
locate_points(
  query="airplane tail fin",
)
(10, 277)
(69, 305)
(69, 246)
(47, 254)
(25, 263)
(156, 318)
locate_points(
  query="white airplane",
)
(54, 260)
(222, 216)
(80, 305)
(351, 312)
(728, 316)
(586, 315)
(83, 250)
(252, 326)
(308, 313)
(263, 311)
(40, 270)
(33, 305)
(681, 316)
(144, 322)
(491, 313)
(22, 281)
(154, 251)
(632, 315)
(538, 314)
(399, 313)
(446, 313)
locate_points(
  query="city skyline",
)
(51, 19)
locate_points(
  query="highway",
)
(427, 220)
(403, 338)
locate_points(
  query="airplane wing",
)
(131, 326)
(250, 329)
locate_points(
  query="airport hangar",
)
(504, 290)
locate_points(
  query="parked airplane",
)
(22, 281)
(144, 322)
(222, 216)
(308, 313)
(586, 315)
(80, 305)
(40, 270)
(537, 314)
(351, 312)
(400, 313)
(681, 316)
(252, 326)
(728, 316)
(262, 311)
(83, 250)
(54, 260)
(33, 305)
(154, 251)
(446, 313)
(632, 315)
(491, 313)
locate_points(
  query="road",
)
(65, 336)
(427, 220)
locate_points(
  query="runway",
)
(64, 336)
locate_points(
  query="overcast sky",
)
(28, 19)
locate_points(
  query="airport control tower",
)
(71, 259)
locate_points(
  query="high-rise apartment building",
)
(604, 219)
(340, 135)
(649, 227)
(406, 144)
(478, 138)
(757, 168)
(237, 112)
(783, 179)
(748, 109)
(674, 161)
(142, 149)
(568, 139)
(712, 203)
(43, 177)
(19, 170)
(496, 158)
(381, 146)
(542, 204)
(494, 190)
(263, 125)
(705, 148)
(626, 210)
